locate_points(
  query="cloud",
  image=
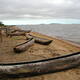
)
(39, 9)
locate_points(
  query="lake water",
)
(65, 31)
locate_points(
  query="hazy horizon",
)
(41, 21)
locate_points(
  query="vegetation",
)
(1, 24)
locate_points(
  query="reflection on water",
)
(65, 31)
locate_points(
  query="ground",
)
(36, 52)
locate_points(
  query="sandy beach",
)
(37, 52)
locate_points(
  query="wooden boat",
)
(24, 46)
(25, 69)
(27, 31)
(16, 34)
(39, 40)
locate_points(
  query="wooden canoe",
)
(17, 34)
(39, 40)
(25, 69)
(24, 46)
(27, 31)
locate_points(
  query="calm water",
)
(65, 31)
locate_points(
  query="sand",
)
(36, 52)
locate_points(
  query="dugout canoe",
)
(40, 40)
(27, 31)
(27, 69)
(23, 46)
(17, 34)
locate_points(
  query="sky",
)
(39, 11)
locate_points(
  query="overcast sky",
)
(39, 9)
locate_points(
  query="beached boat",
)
(40, 40)
(16, 34)
(24, 46)
(27, 31)
(25, 69)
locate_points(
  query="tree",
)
(1, 24)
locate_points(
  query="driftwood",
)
(25, 69)
(24, 46)
(40, 40)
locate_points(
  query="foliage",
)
(1, 24)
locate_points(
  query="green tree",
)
(1, 24)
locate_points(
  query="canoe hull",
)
(24, 46)
(43, 42)
(27, 31)
(39, 40)
(42, 66)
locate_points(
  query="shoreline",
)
(57, 48)
(67, 32)
(61, 39)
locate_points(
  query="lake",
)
(65, 31)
